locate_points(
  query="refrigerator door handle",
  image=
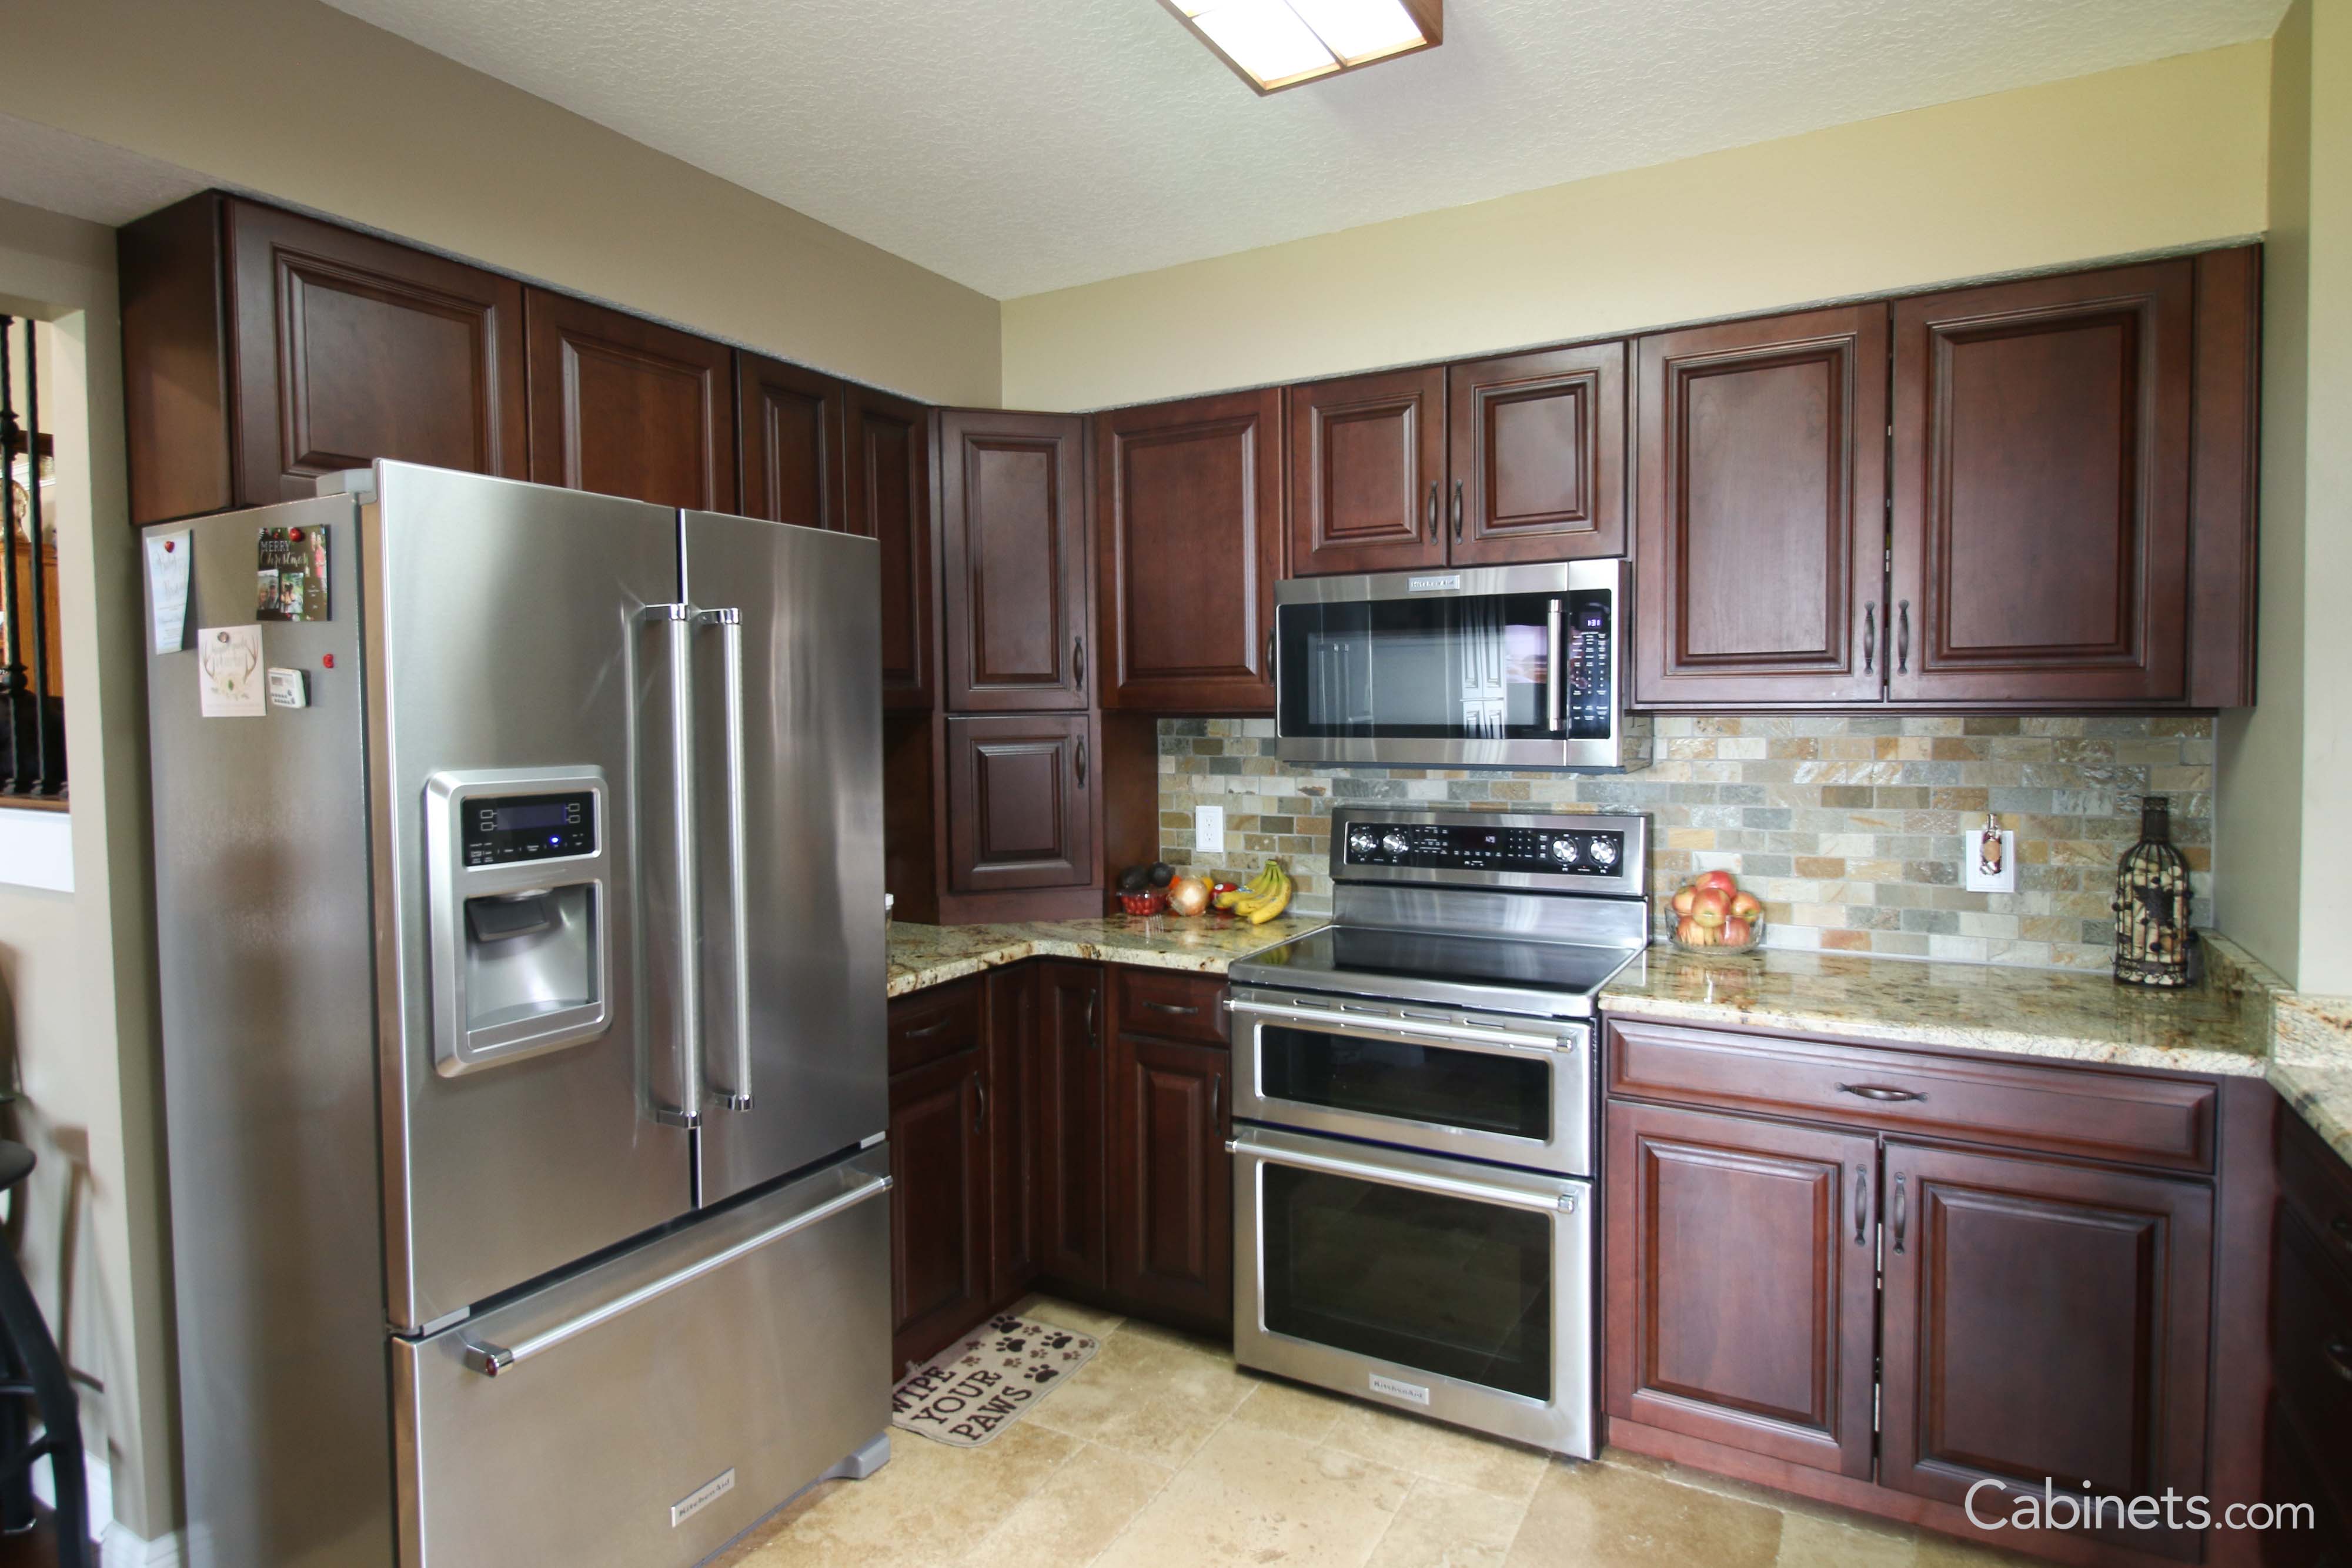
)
(677, 623)
(736, 1000)
(490, 1359)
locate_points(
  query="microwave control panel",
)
(1587, 644)
(504, 829)
(1451, 846)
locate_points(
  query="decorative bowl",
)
(1755, 940)
(1152, 901)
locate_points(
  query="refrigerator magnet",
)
(228, 672)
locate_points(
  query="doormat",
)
(986, 1381)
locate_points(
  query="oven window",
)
(1447, 1284)
(1446, 667)
(1473, 1090)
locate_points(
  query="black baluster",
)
(50, 771)
(12, 667)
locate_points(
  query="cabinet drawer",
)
(2142, 1120)
(1172, 1006)
(2311, 1343)
(929, 1025)
(2314, 1181)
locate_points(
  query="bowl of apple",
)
(1713, 916)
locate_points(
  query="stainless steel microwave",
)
(1515, 666)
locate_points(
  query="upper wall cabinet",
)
(888, 484)
(1761, 497)
(627, 407)
(1368, 472)
(262, 350)
(1188, 506)
(789, 425)
(1537, 449)
(1014, 542)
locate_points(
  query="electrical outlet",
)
(1209, 829)
(1972, 863)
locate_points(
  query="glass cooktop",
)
(1499, 974)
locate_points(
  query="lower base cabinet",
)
(2309, 1435)
(1055, 1125)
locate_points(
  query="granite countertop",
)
(923, 956)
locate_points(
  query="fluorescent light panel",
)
(1276, 44)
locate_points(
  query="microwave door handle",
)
(737, 998)
(675, 622)
(1554, 646)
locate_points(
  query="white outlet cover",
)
(1972, 868)
(1209, 828)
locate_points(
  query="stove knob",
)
(1604, 851)
(1393, 842)
(1361, 842)
(1564, 851)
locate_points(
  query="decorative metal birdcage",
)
(2154, 946)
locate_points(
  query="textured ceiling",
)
(56, 169)
(1022, 145)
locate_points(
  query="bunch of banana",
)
(1262, 899)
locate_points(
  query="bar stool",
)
(35, 1371)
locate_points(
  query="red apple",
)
(1691, 934)
(1746, 905)
(1711, 906)
(1737, 933)
(1683, 899)
(1720, 880)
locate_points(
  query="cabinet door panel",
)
(625, 407)
(1019, 813)
(1171, 1243)
(791, 424)
(349, 349)
(1742, 1283)
(889, 485)
(2045, 1321)
(1537, 451)
(1015, 540)
(1368, 472)
(1190, 504)
(939, 1204)
(1760, 516)
(2041, 539)
(1015, 1074)
(1072, 1092)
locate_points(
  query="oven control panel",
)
(1477, 847)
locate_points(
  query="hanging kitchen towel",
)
(987, 1380)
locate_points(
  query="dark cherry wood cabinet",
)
(2042, 545)
(941, 1170)
(1368, 472)
(1742, 1291)
(1759, 511)
(1020, 812)
(1189, 509)
(628, 407)
(1073, 1088)
(1537, 456)
(789, 421)
(2045, 1320)
(1171, 1235)
(263, 349)
(1013, 551)
(887, 485)
(2310, 1421)
(1016, 1045)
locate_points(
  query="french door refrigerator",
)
(522, 1003)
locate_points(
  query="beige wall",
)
(77, 967)
(293, 100)
(2284, 797)
(2156, 155)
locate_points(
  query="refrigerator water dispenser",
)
(517, 880)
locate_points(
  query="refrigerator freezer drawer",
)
(644, 1413)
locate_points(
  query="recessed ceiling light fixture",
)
(1276, 44)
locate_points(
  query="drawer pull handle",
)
(2339, 1357)
(2341, 1228)
(1879, 1092)
(1902, 1212)
(926, 1031)
(1177, 1007)
(979, 1116)
(1861, 1205)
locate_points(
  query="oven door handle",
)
(1408, 1028)
(1543, 1200)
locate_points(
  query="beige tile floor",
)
(1162, 1453)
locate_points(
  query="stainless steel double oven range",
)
(1416, 1115)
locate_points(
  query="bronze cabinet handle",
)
(1861, 1205)
(926, 1031)
(1880, 1092)
(1091, 1038)
(1216, 1099)
(1176, 1008)
(1078, 661)
(2339, 1358)
(1082, 761)
(1432, 508)
(1457, 511)
(1869, 635)
(1269, 656)
(1903, 643)
(1902, 1212)
(2341, 1225)
(980, 1117)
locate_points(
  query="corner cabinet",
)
(1188, 513)
(628, 407)
(1013, 553)
(1171, 1229)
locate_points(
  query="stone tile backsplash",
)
(1848, 829)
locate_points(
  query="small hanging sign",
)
(291, 579)
(167, 590)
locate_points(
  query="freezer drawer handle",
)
(1412, 1028)
(490, 1360)
(735, 1096)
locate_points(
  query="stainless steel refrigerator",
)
(522, 937)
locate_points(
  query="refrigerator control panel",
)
(501, 829)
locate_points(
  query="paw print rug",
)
(987, 1380)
